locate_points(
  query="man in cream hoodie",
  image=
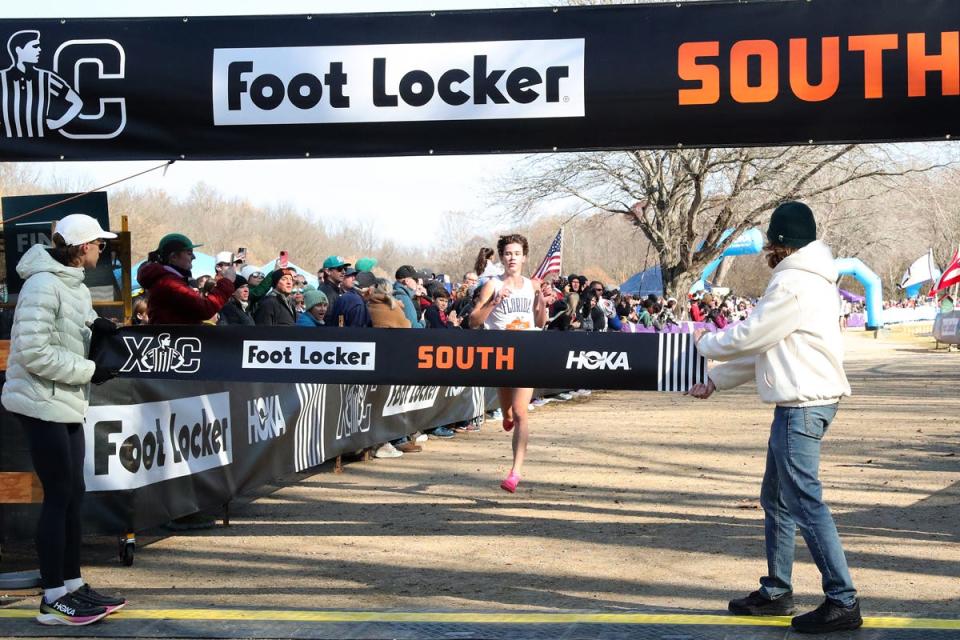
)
(792, 347)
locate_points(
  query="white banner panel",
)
(131, 446)
(399, 82)
(336, 356)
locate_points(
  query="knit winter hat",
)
(314, 297)
(792, 225)
(279, 273)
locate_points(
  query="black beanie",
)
(792, 225)
(276, 275)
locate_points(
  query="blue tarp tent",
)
(205, 264)
(645, 282)
(750, 242)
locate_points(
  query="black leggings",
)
(57, 452)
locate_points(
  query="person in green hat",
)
(791, 346)
(334, 268)
(166, 276)
(316, 305)
(366, 264)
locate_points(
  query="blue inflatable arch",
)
(873, 288)
(751, 243)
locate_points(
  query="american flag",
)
(950, 277)
(552, 261)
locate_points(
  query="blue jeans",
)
(792, 497)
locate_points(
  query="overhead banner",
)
(545, 359)
(536, 79)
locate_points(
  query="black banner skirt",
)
(456, 82)
(160, 449)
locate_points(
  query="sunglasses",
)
(100, 244)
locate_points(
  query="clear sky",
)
(404, 197)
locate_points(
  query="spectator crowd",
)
(357, 295)
(353, 295)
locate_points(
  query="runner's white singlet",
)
(514, 313)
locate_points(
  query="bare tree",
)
(692, 204)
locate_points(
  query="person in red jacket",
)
(166, 275)
(696, 311)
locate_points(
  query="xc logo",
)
(182, 356)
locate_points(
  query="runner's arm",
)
(258, 292)
(485, 306)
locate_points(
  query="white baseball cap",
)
(249, 270)
(78, 228)
(224, 257)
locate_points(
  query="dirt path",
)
(636, 500)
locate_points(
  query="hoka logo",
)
(265, 419)
(592, 360)
(62, 608)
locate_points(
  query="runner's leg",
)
(521, 426)
(506, 401)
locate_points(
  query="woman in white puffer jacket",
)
(46, 391)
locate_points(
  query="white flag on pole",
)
(922, 270)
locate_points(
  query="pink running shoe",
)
(507, 425)
(511, 482)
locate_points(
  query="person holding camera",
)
(47, 392)
(166, 277)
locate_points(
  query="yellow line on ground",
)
(488, 618)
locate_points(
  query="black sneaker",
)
(93, 598)
(757, 604)
(69, 611)
(828, 617)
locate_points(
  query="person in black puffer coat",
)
(237, 311)
(277, 308)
